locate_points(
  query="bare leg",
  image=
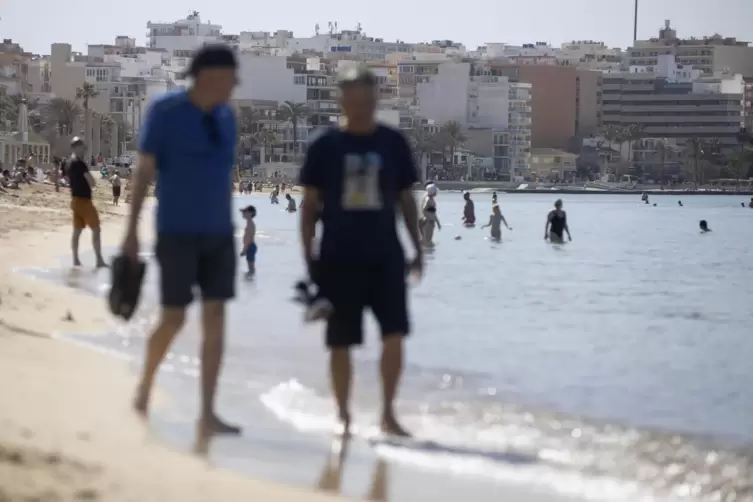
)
(391, 369)
(97, 245)
(74, 246)
(162, 337)
(213, 321)
(341, 371)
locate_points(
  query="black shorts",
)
(186, 261)
(116, 191)
(351, 288)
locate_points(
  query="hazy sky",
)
(38, 23)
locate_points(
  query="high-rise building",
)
(708, 54)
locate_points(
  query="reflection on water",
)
(616, 366)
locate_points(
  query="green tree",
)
(266, 139)
(451, 137)
(700, 151)
(423, 144)
(293, 113)
(9, 107)
(61, 115)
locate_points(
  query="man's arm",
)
(407, 177)
(89, 178)
(312, 179)
(151, 141)
(546, 225)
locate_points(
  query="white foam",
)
(459, 450)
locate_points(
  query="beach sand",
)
(66, 429)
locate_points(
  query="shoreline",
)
(68, 432)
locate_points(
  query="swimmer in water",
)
(494, 197)
(429, 218)
(704, 226)
(556, 224)
(469, 212)
(495, 221)
(750, 204)
(679, 203)
(291, 204)
(644, 197)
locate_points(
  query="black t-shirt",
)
(75, 170)
(360, 178)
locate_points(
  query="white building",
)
(182, 37)
(482, 102)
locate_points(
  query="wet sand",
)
(66, 429)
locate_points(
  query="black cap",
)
(248, 209)
(356, 74)
(76, 141)
(211, 56)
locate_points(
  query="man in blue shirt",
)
(357, 179)
(188, 142)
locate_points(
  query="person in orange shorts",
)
(84, 212)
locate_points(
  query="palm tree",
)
(662, 146)
(293, 113)
(9, 106)
(86, 92)
(423, 144)
(106, 124)
(613, 134)
(632, 133)
(61, 114)
(451, 137)
(700, 150)
(267, 139)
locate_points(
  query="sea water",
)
(615, 367)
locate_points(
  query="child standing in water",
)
(495, 222)
(469, 212)
(249, 240)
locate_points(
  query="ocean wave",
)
(508, 443)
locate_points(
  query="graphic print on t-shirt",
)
(361, 182)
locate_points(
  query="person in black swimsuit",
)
(556, 224)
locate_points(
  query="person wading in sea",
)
(359, 177)
(189, 139)
(556, 224)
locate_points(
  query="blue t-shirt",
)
(360, 178)
(194, 151)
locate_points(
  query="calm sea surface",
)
(615, 367)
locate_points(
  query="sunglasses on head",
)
(210, 126)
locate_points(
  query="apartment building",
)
(709, 54)
(748, 99)
(354, 44)
(673, 104)
(415, 70)
(180, 38)
(482, 102)
(565, 101)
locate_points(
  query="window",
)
(299, 80)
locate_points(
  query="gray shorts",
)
(204, 261)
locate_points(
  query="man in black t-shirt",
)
(84, 212)
(360, 177)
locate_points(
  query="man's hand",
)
(416, 267)
(131, 246)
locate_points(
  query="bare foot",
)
(141, 402)
(342, 427)
(391, 427)
(214, 426)
(102, 264)
(76, 262)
